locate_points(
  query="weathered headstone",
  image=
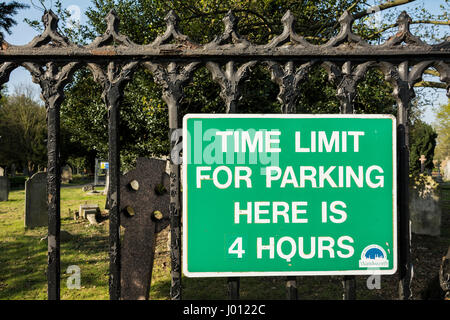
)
(36, 208)
(88, 208)
(88, 187)
(144, 212)
(66, 174)
(425, 208)
(2, 172)
(438, 176)
(447, 171)
(4, 188)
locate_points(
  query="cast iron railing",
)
(172, 59)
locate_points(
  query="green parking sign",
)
(269, 195)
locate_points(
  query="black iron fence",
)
(172, 59)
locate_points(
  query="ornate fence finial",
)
(230, 36)
(171, 32)
(288, 34)
(112, 22)
(403, 22)
(50, 20)
(288, 21)
(172, 19)
(50, 34)
(230, 21)
(112, 33)
(345, 33)
(404, 34)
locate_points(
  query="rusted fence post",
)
(172, 77)
(52, 80)
(113, 81)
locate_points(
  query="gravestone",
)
(425, 208)
(4, 188)
(66, 174)
(36, 208)
(447, 171)
(87, 210)
(144, 212)
(88, 188)
(438, 172)
(2, 172)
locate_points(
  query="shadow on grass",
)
(23, 265)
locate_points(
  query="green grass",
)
(23, 260)
(24, 255)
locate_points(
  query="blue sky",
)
(22, 34)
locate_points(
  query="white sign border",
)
(190, 274)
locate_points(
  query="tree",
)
(144, 114)
(23, 131)
(7, 10)
(442, 126)
(422, 142)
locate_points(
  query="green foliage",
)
(7, 10)
(442, 126)
(144, 123)
(22, 132)
(422, 141)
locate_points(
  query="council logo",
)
(373, 256)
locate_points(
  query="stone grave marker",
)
(4, 188)
(36, 207)
(2, 172)
(425, 208)
(447, 171)
(438, 173)
(90, 212)
(144, 212)
(66, 174)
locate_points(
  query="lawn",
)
(24, 251)
(24, 258)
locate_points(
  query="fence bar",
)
(349, 284)
(54, 209)
(233, 288)
(404, 79)
(172, 77)
(114, 193)
(404, 239)
(51, 58)
(291, 288)
(175, 217)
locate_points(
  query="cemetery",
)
(192, 163)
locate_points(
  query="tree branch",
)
(431, 84)
(381, 7)
(432, 72)
(375, 34)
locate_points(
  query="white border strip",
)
(290, 273)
